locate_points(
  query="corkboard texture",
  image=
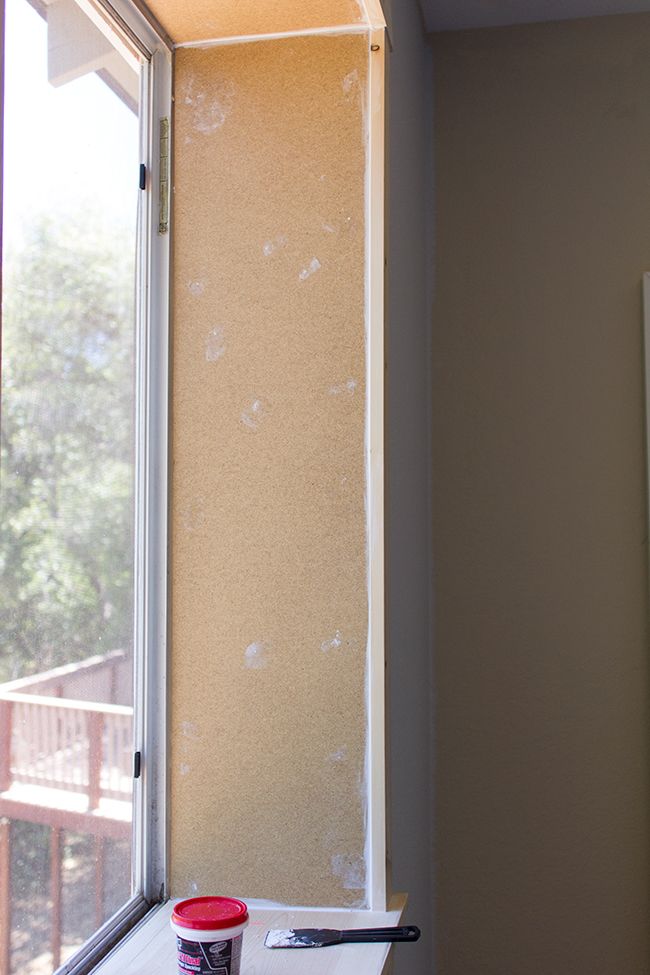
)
(269, 546)
(197, 20)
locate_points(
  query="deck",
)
(66, 762)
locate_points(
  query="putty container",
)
(209, 933)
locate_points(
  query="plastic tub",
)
(209, 933)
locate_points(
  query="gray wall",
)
(409, 481)
(541, 639)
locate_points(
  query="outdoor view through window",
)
(70, 196)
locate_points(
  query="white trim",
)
(145, 24)
(127, 16)
(150, 790)
(334, 31)
(114, 29)
(159, 309)
(65, 703)
(376, 745)
(139, 859)
(95, 948)
(374, 14)
(151, 947)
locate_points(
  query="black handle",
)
(408, 933)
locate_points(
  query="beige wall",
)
(408, 474)
(543, 234)
(269, 548)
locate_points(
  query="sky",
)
(72, 149)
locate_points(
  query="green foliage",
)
(66, 517)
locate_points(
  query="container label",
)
(216, 957)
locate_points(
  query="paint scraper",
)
(322, 937)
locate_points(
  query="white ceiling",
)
(459, 14)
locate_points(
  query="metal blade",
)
(302, 938)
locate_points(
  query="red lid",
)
(205, 913)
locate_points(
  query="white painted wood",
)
(374, 14)
(376, 747)
(122, 73)
(152, 465)
(114, 27)
(74, 45)
(138, 29)
(152, 947)
(333, 31)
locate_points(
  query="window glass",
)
(70, 198)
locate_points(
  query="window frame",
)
(152, 422)
(149, 863)
(149, 824)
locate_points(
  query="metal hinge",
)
(163, 221)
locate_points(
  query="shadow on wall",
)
(409, 475)
(543, 210)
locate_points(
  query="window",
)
(82, 498)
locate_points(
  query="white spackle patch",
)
(340, 755)
(256, 655)
(277, 244)
(209, 107)
(313, 266)
(342, 227)
(189, 730)
(350, 82)
(362, 787)
(184, 768)
(215, 346)
(193, 515)
(253, 415)
(347, 388)
(334, 643)
(196, 288)
(285, 938)
(351, 869)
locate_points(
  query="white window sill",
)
(151, 946)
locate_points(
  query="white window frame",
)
(149, 835)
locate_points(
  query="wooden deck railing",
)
(103, 678)
(58, 743)
(63, 762)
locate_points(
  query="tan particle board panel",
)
(197, 20)
(269, 546)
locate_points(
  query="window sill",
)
(151, 946)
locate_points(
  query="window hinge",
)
(137, 763)
(163, 223)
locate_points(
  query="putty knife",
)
(321, 937)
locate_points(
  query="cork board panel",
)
(197, 20)
(269, 546)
